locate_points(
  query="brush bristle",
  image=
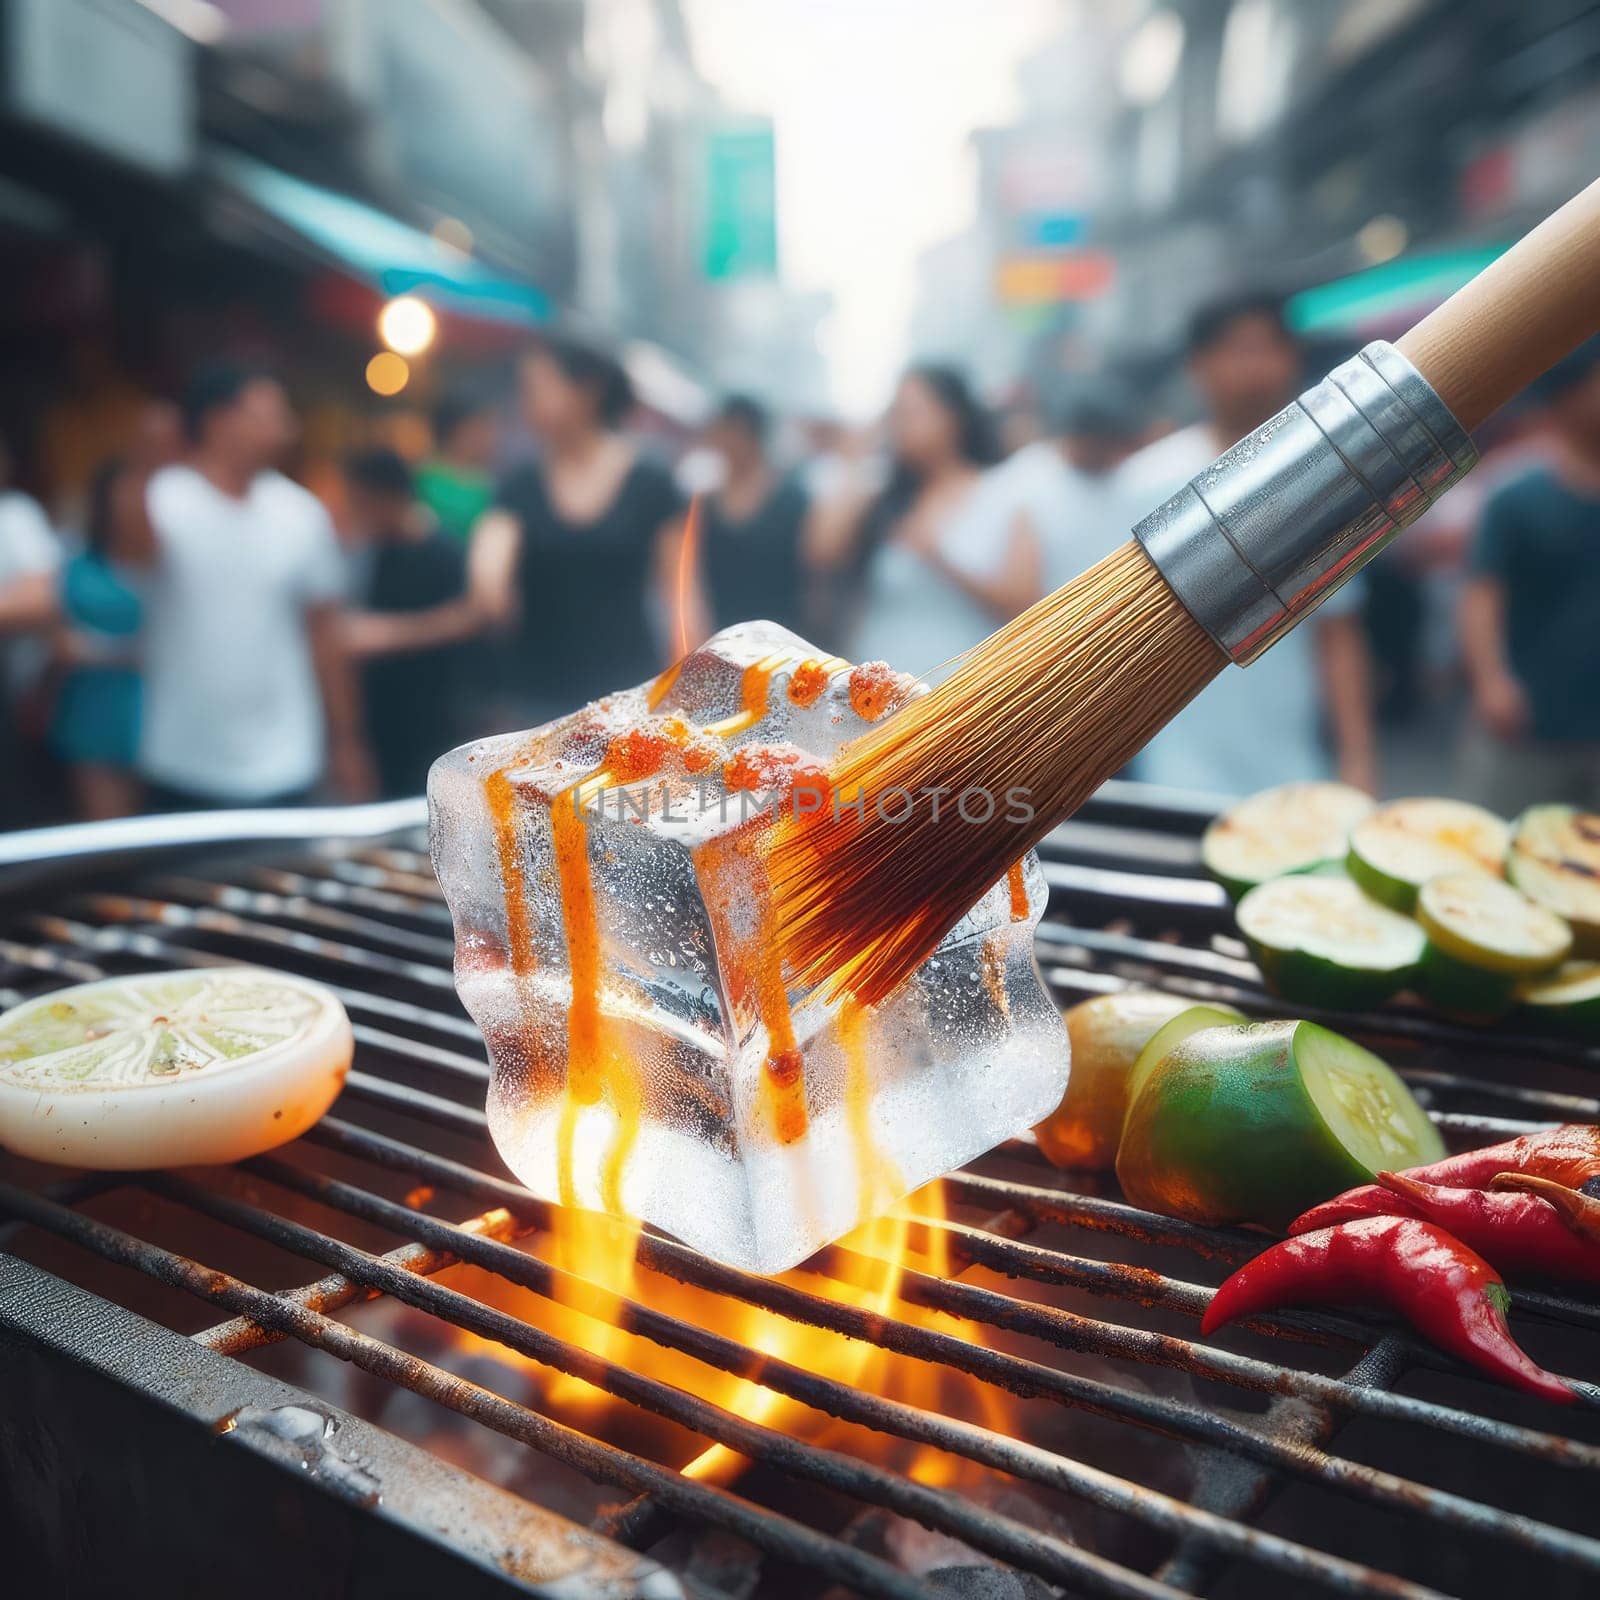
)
(1053, 704)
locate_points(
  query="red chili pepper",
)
(1446, 1291)
(1569, 1156)
(1578, 1209)
(1514, 1232)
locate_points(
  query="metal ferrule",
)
(1267, 532)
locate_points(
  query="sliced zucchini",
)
(1566, 1001)
(1484, 939)
(1170, 1035)
(1292, 828)
(1555, 859)
(1400, 846)
(1320, 940)
(1483, 922)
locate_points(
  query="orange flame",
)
(688, 556)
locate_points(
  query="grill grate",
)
(1064, 1325)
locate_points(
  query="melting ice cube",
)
(615, 943)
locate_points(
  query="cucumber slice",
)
(1403, 844)
(1292, 828)
(1248, 1124)
(1189, 1021)
(1555, 859)
(1321, 941)
(1483, 922)
(1567, 1001)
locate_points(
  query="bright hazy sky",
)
(873, 102)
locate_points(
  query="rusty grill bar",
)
(367, 918)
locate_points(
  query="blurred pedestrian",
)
(248, 693)
(938, 576)
(1530, 612)
(457, 482)
(414, 618)
(752, 525)
(1064, 486)
(1248, 730)
(94, 729)
(29, 557)
(579, 559)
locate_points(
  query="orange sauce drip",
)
(753, 688)
(784, 1084)
(878, 1183)
(807, 682)
(662, 687)
(594, 1068)
(1019, 892)
(875, 687)
(502, 801)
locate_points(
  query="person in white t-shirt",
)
(249, 698)
(1252, 728)
(29, 557)
(937, 577)
(1063, 489)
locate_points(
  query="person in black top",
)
(409, 638)
(754, 525)
(581, 544)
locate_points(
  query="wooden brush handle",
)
(1516, 319)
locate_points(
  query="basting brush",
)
(1066, 694)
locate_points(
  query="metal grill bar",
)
(770, 1531)
(1030, 1379)
(374, 914)
(974, 1443)
(336, 1291)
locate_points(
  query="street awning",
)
(381, 250)
(1396, 291)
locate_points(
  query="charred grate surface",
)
(1304, 1453)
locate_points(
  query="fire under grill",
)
(357, 1367)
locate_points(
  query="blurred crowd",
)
(204, 631)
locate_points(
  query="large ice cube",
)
(614, 941)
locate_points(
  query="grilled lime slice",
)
(170, 1068)
(1555, 859)
(1106, 1035)
(1566, 1001)
(1257, 1123)
(1321, 941)
(1293, 828)
(1403, 844)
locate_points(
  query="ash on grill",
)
(370, 1364)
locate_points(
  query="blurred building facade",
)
(187, 177)
(1364, 156)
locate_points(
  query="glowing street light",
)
(387, 373)
(407, 325)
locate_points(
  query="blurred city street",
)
(377, 376)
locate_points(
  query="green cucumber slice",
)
(1365, 1102)
(1321, 941)
(1293, 828)
(1171, 1034)
(1484, 923)
(1567, 1000)
(1254, 1124)
(1555, 859)
(1400, 846)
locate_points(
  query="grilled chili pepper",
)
(1579, 1209)
(1447, 1292)
(1514, 1232)
(1569, 1156)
